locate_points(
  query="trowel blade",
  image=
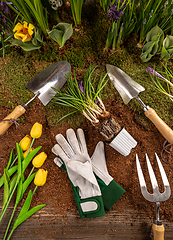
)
(53, 76)
(124, 84)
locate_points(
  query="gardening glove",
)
(111, 190)
(75, 160)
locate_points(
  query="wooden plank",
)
(47, 224)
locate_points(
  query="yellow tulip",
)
(39, 159)
(23, 32)
(25, 143)
(25, 153)
(36, 130)
(40, 177)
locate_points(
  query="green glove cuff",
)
(97, 201)
(111, 194)
(98, 212)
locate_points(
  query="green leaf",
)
(150, 47)
(10, 172)
(26, 205)
(145, 57)
(12, 182)
(56, 35)
(27, 46)
(27, 215)
(27, 160)
(164, 54)
(61, 33)
(6, 188)
(67, 30)
(19, 192)
(154, 31)
(12, 157)
(27, 182)
(168, 42)
(20, 159)
(25, 163)
(38, 35)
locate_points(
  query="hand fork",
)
(156, 196)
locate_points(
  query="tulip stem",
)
(26, 154)
(9, 223)
(30, 146)
(31, 172)
(9, 199)
(13, 161)
(34, 190)
(10, 234)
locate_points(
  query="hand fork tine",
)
(156, 196)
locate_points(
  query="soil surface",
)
(57, 192)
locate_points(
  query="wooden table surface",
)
(46, 224)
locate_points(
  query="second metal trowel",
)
(129, 89)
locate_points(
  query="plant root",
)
(108, 127)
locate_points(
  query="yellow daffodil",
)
(25, 153)
(23, 32)
(25, 143)
(36, 130)
(40, 177)
(39, 159)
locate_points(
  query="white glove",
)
(73, 152)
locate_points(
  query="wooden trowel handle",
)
(158, 231)
(17, 112)
(163, 128)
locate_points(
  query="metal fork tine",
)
(140, 174)
(156, 196)
(162, 171)
(151, 173)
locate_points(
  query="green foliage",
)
(24, 164)
(151, 13)
(156, 42)
(31, 9)
(161, 80)
(85, 96)
(104, 4)
(121, 28)
(76, 8)
(51, 11)
(18, 181)
(24, 213)
(35, 43)
(61, 33)
(167, 49)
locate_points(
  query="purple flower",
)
(80, 85)
(114, 13)
(4, 7)
(154, 73)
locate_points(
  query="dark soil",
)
(57, 192)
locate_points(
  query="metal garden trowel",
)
(41, 85)
(129, 89)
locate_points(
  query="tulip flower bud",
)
(39, 159)
(25, 153)
(36, 130)
(40, 177)
(25, 143)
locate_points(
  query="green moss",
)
(85, 46)
(55, 112)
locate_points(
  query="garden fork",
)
(156, 196)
